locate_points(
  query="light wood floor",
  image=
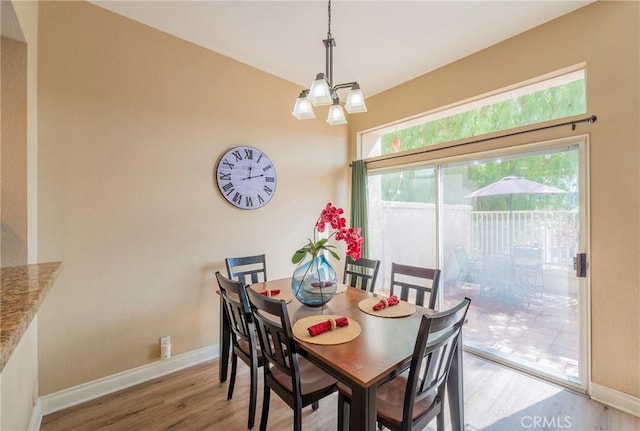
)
(496, 399)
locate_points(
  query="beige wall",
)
(606, 36)
(13, 133)
(131, 124)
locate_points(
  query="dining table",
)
(382, 350)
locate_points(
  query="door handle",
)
(580, 265)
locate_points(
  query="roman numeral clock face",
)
(246, 177)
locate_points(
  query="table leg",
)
(362, 415)
(455, 389)
(225, 343)
(343, 416)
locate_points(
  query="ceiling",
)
(380, 44)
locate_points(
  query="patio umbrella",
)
(512, 185)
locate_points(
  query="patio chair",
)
(527, 267)
(467, 271)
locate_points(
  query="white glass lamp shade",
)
(336, 114)
(303, 110)
(355, 100)
(319, 92)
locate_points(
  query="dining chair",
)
(247, 269)
(293, 378)
(244, 342)
(361, 273)
(412, 399)
(422, 280)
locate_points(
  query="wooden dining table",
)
(382, 350)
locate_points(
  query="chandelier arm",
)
(345, 85)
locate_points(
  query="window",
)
(549, 99)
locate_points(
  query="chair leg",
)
(265, 408)
(253, 395)
(315, 405)
(232, 381)
(440, 421)
(297, 419)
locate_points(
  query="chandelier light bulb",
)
(303, 110)
(319, 92)
(355, 100)
(336, 114)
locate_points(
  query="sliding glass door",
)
(504, 228)
(402, 219)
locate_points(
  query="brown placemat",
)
(337, 336)
(402, 309)
(286, 296)
(341, 288)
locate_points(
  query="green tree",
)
(556, 169)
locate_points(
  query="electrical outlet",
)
(165, 347)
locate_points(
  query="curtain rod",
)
(591, 119)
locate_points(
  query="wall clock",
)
(246, 177)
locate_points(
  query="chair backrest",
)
(431, 360)
(361, 273)
(422, 280)
(236, 305)
(247, 269)
(276, 338)
(461, 258)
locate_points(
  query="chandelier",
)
(322, 91)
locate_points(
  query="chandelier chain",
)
(329, 20)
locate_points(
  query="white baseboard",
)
(36, 417)
(106, 385)
(87, 391)
(616, 399)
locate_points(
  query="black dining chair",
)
(361, 273)
(296, 380)
(244, 342)
(414, 398)
(416, 280)
(247, 269)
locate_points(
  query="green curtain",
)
(359, 201)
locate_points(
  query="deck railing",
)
(497, 232)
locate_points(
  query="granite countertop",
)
(23, 288)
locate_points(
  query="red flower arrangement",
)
(332, 216)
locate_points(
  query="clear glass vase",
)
(314, 281)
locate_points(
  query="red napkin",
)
(327, 325)
(273, 292)
(386, 302)
(321, 284)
